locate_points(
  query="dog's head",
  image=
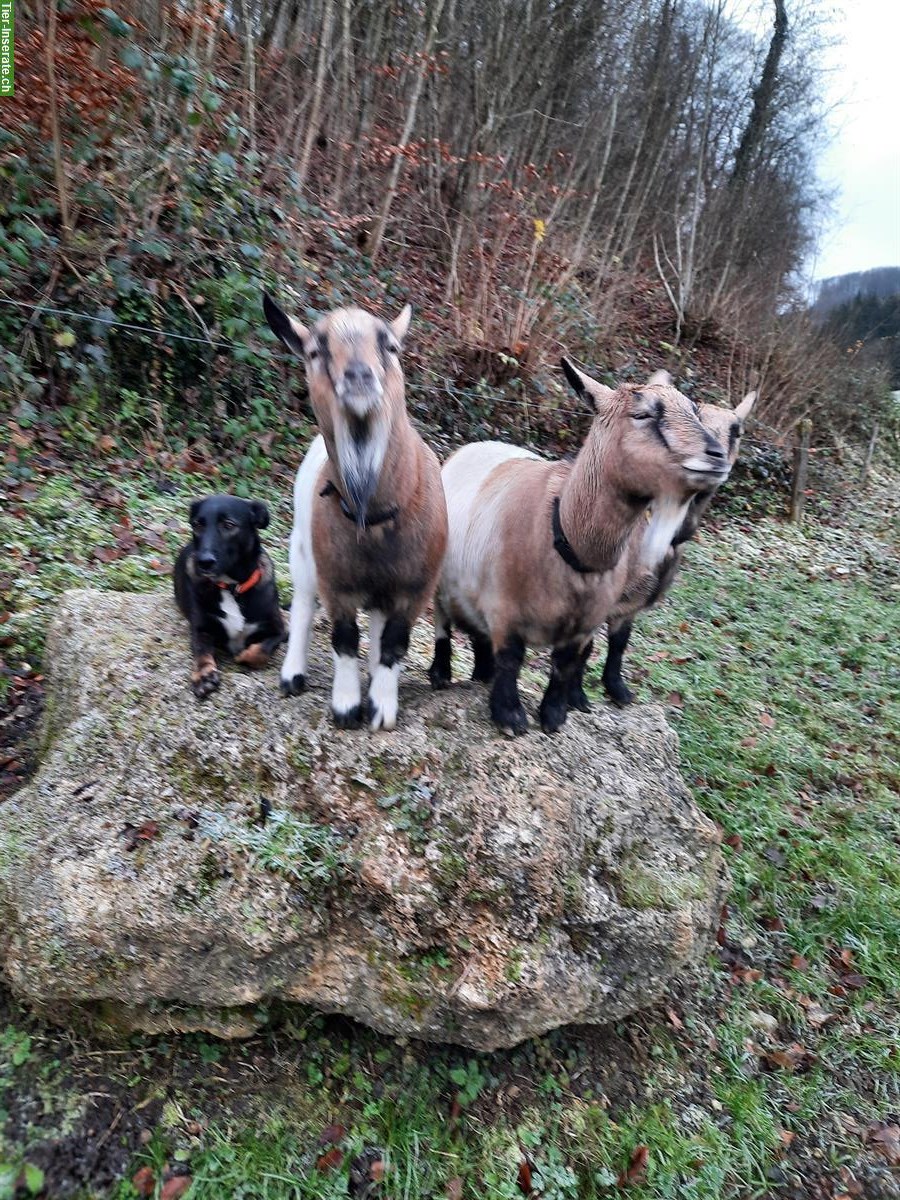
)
(226, 534)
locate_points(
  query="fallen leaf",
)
(789, 1059)
(886, 1140)
(637, 1167)
(675, 699)
(854, 980)
(175, 1187)
(525, 1177)
(674, 1019)
(735, 841)
(799, 963)
(376, 1171)
(786, 1137)
(144, 1182)
(774, 923)
(455, 1188)
(331, 1135)
(767, 721)
(330, 1160)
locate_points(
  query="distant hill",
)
(864, 309)
(880, 283)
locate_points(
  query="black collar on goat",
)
(563, 547)
(370, 520)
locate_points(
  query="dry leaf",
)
(637, 1167)
(144, 1182)
(455, 1189)
(175, 1187)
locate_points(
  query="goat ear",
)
(584, 387)
(259, 514)
(285, 328)
(660, 377)
(399, 327)
(742, 412)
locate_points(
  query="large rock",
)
(180, 865)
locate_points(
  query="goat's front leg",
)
(205, 675)
(346, 693)
(506, 706)
(385, 674)
(565, 664)
(441, 670)
(577, 695)
(617, 636)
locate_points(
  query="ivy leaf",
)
(65, 339)
(34, 1179)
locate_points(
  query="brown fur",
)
(504, 575)
(386, 558)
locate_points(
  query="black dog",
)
(225, 586)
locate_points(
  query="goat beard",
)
(361, 447)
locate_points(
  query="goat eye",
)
(312, 355)
(641, 416)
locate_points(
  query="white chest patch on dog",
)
(236, 628)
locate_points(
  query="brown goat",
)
(535, 554)
(370, 521)
(647, 582)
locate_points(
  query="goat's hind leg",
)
(617, 636)
(384, 689)
(303, 607)
(507, 710)
(577, 696)
(441, 670)
(565, 663)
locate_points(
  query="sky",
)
(863, 159)
(861, 162)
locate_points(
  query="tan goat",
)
(647, 582)
(370, 521)
(535, 550)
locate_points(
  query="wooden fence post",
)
(801, 462)
(871, 450)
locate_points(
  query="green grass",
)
(782, 650)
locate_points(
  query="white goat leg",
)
(346, 692)
(383, 696)
(303, 571)
(376, 628)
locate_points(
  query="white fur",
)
(383, 692)
(346, 693)
(376, 628)
(302, 562)
(666, 518)
(237, 630)
(472, 543)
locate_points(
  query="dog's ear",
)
(195, 508)
(259, 514)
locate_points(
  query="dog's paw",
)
(205, 681)
(253, 656)
(293, 686)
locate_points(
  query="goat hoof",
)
(351, 719)
(293, 686)
(440, 679)
(552, 722)
(618, 692)
(482, 674)
(206, 685)
(578, 700)
(513, 723)
(380, 719)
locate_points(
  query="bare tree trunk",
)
(58, 164)
(378, 234)
(318, 93)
